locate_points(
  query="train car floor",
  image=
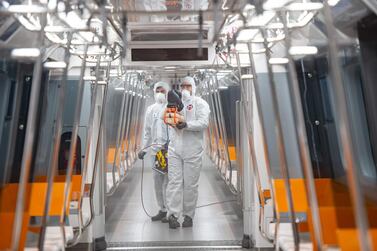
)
(218, 225)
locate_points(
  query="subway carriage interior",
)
(290, 148)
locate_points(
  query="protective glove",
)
(181, 125)
(141, 154)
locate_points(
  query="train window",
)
(228, 98)
(65, 143)
(357, 61)
(368, 47)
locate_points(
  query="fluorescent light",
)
(242, 47)
(273, 4)
(170, 67)
(303, 50)
(302, 22)
(55, 65)
(223, 87)
(30, 53)
(333, 2)
(28, 24)
(275, 26)
(89, 78)
(57, 29)
(247, 34)
(278, 61)
(247, 76)
(304, 6)
(225, 71)
(5, 4)
(25, 9)
(102, 82)
(119, 88)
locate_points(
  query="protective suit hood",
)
(161, 84)
(191, 81)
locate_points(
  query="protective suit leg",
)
(160, 185)
(191, 173)
(174, 191)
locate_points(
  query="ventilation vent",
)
(167, 35)
(169, 54)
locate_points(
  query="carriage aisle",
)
(215, 225)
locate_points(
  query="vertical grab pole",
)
(56, 142)
(217, 130)
(302, 137)
(98, 144)
(222, 127)
(262, 127)
(125, 112)
(87, 151)
(27, 152)
(129, 113)
(247, 107)
(345, 135)
(116, 153)
(72, 150)
(281, 146)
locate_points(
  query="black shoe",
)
(159, 216)
(173, 222)
(187, 222)
(165, 220)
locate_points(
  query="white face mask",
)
(185, 95)
(160, 98)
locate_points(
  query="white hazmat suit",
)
(156, 132)
(185, 155)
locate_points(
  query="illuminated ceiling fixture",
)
(170, 67)
(55, 65)
(27, 53)
(26, 9)
(57, 29)
(5, 4)
(247, 76)
(223, 87)
(119, 88)
(302, 22)
(102, 82)
(261, 20)
(55, 38)
(304, 6)
(303, 50)
(333, 2)
(275, 26)
(89, 78)
(273, 4)
(278, 61)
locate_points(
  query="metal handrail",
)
(281, 146)
(73, 144)
(56, 145)
(248, 113)
(29, 140)
(262, 128)
(224, 132)
(88, 145)
(345, 135)
(302, 138)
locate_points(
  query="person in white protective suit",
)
(185, 156)
(156, 134)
